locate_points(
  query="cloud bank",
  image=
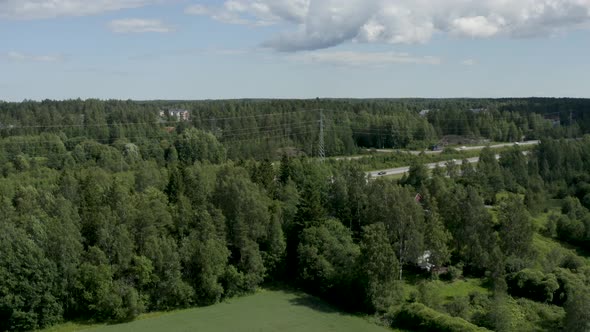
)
(39, 9)
(135, 25)
(362, 59)
(318, 24)
(22, 57)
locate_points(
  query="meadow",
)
(267, 310)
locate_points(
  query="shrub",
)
(543, 316)
(418, 317)
(458, 307)
(453, 273)
(532, 284)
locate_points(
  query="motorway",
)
(466, 148)
(406, 169)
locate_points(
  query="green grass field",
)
(264, 311)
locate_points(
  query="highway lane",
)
(406, 169)
(467, 148)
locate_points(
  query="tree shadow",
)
(302, 298)
(312, 302)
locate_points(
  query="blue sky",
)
(184, 49)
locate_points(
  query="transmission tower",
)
(321, 145)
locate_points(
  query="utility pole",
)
(321, 145)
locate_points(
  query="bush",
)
(543, 316)
(458, 307)
(532, 284)
(418, 317)
(572, 262)
(453, 273)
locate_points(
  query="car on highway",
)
(463, 148)
(382, 173)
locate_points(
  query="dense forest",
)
(109, 209)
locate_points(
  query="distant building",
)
(424, 261)
(555, 119)
(180, 114)
(424, 112)
(477, 110)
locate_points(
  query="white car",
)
(463, 148)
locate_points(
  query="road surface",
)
(467, 148)
(406, 169)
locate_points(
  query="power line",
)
(321, 145)
(159, 122)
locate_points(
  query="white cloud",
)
(37, 9)
(135, 25)
(197, 10)
(469, 62)
(21, 57)
(360, 59)
(244, 13)
(476, 26)
(317, 24)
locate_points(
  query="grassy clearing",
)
(446, 291)
(462, 287)
(264, 311)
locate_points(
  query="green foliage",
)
(108, 210)
(418, 317)
(378, 268)
(577, 308)
(436, 238)
(27, 283)
(544, 317)
(195, 145)
(403, 218)
(458, 307)
(490, 176)
(470, 224)
(533, 284)
(248, 219)
(516, 228)
(417, 175)
(205, 257)
(505, 316)
(327, 257)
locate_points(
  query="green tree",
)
(436, 236)
(97, 296)
(516, 228)
(327, 257)
(403, 217)
(379, 268)
(195, 145)
(169, 291)
(417, 175)
(577, 308)
(27, 283)
(246, 210)
(489, 174)
(205, 257)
